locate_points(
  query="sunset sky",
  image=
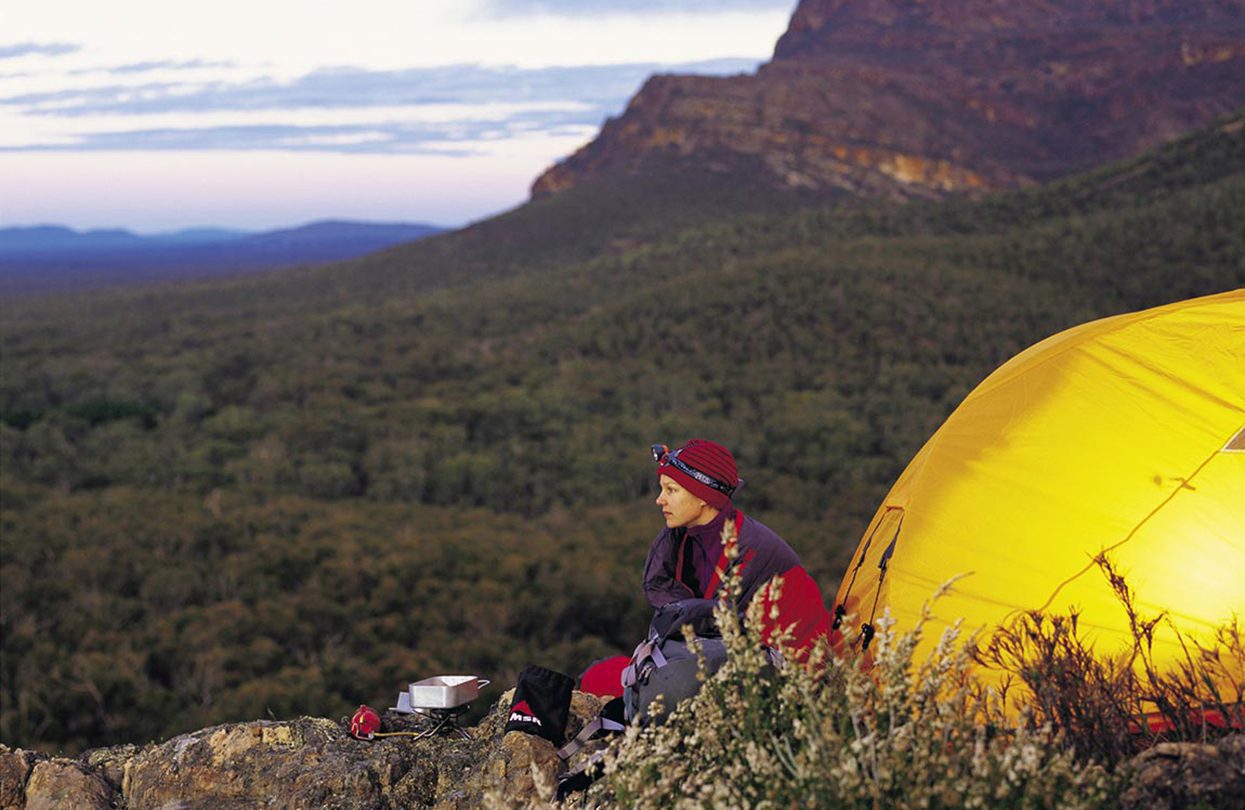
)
(154, 116)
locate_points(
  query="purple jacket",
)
(681, 562)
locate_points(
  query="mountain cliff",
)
(921, 98)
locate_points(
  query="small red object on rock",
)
(365, 723)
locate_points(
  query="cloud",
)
(423, 139)
(450, 138)
(603, 86)
(160, 65)
(442, 110)
(37, 49)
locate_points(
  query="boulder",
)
(55, 784)
(1179, 775)
(15, 769)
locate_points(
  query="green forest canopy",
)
(293, 493)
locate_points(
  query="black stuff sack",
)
(541, 704)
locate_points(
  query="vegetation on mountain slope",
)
(295, 493)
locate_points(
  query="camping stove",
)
(442, 699)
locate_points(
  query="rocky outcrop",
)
(303, 763)
(1177, 775)
(920, 98)
(313, 763)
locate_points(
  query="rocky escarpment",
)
(910, 98)
(302, 763)
(313, 763)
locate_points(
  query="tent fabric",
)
(1124, 435)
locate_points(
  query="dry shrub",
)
(1101, 702)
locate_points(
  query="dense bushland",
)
(294, 493)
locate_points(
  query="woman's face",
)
(680, 507)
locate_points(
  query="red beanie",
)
(704, 468)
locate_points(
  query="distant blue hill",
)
(59, 239)
(45, 258)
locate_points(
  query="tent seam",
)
(1184, 483)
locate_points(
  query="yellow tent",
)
(1124, 435)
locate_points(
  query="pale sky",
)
(155, 115)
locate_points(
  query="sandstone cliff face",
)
(911, 98)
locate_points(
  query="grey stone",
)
(1186, 775)
(56, 784)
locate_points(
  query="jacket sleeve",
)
(799, 607)
(668, 619)
(661, 586)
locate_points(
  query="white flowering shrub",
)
(835, 734)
